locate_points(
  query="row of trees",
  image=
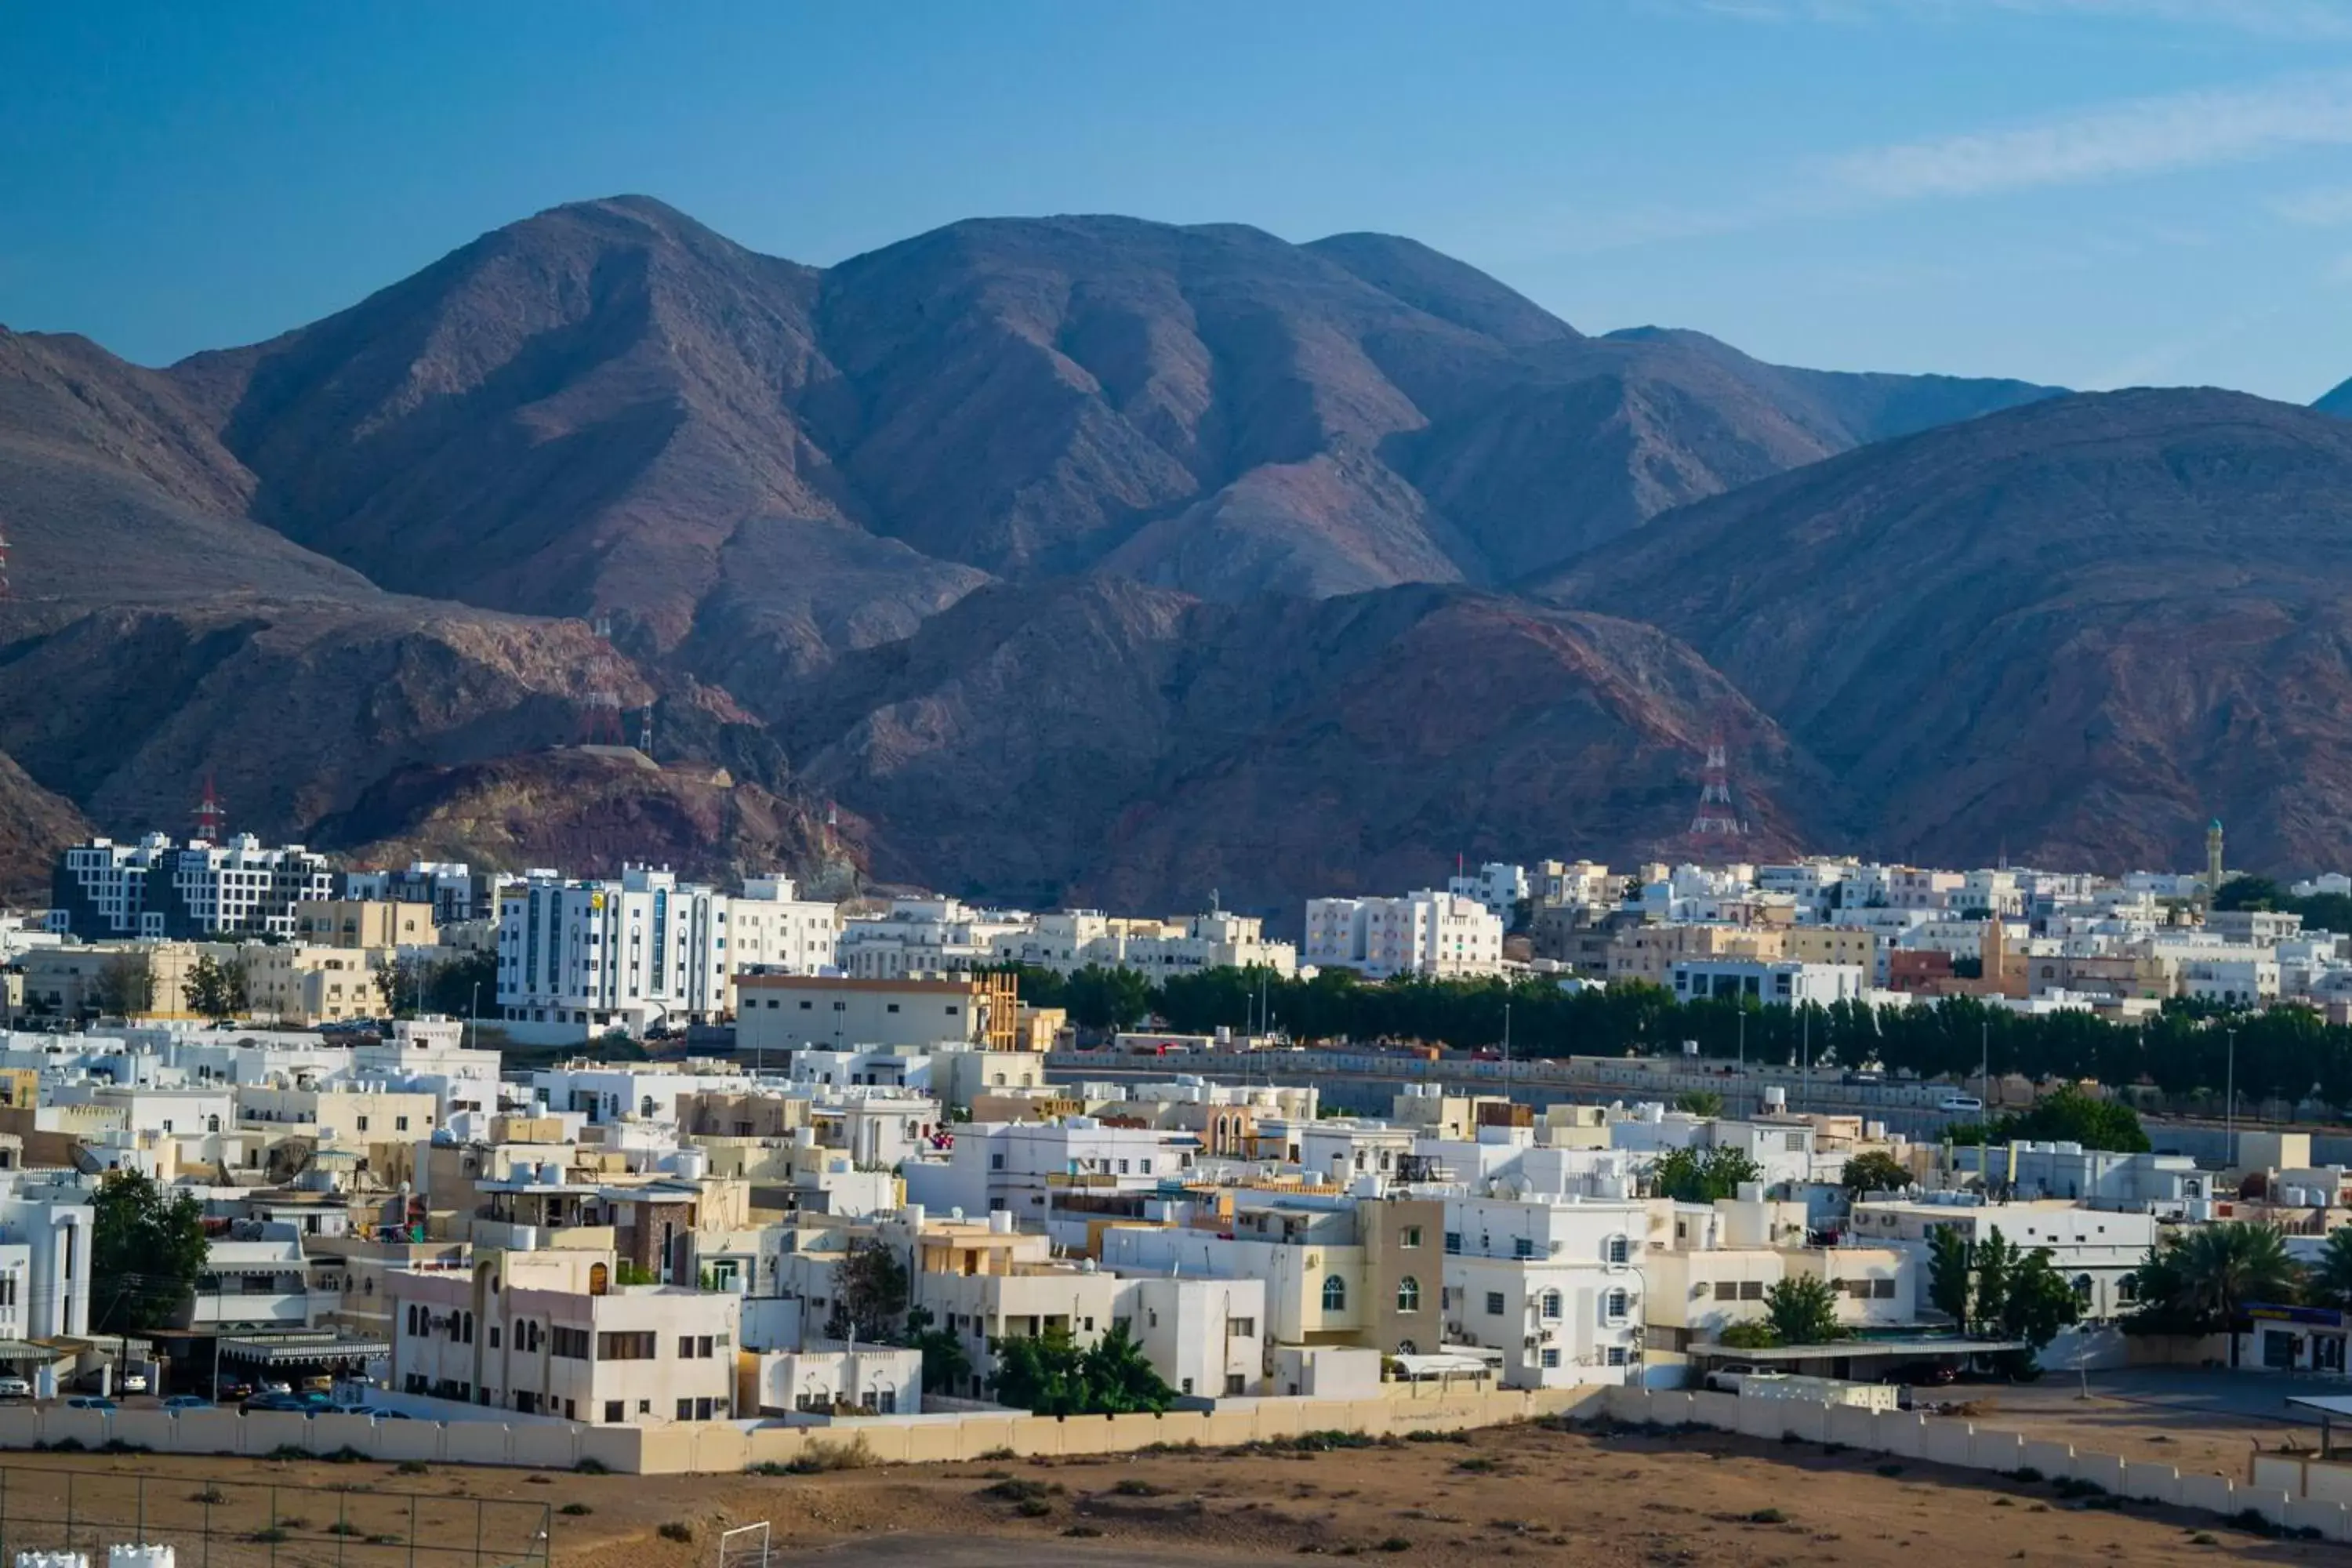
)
(1998, 1289)
(219, 988)
(2284, 1052)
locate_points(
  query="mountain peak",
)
(1449, 290)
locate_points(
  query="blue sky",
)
(2091, 192)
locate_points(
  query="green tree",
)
(1802, 1310)
(947, 1365)
(147, 1251)
(2200, 1281)
(1108, 999)
(453, 987)
(1876, 1171)
(2248, 893)
(2073, 1117)
(1043, 1374)
(1948, 1285)
(1697, 1176)
(124, 986)
(1995, 1262)
(1699, 1102)
(1120, 1382)
(2040, 1302)
(2330, 1281)
(215, 990)
(869, 1292)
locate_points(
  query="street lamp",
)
(474, 1018)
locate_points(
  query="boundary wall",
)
(2291, 1493)
(719, 1447)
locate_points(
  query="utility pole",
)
(1984, 1103)
(1743, 1048)
(2229, 1112)
(1506, 1053)
(474, 1012)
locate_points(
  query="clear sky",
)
(2096, 192)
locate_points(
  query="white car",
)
(1959, 1102)
(135, 1382)
(15, 1388)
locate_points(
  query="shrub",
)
(575, 1509)
(62, 1446)
(419, 1467)
(1768, 1516)
(289, 1451)
(818, 1459)
(123, 1446)
(1018, 1490)
(208, 1495)
(346, 1454)
(268, 1537)
(676, 1530)
(2204, 1538)
(1396, 1543)
(592, 1466)
(1890, 1471)
(2025, 1473)
(1478, 1465)
(343, 1527)
(1135, 1486)
(1083, 1532)
(2253, 1521)
(1003, 1453)
(1424, 1435)
(1033, 1508)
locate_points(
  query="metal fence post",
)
(342, 1525)
(478, 1506)
(70, 1509)
(412, 1529)
(273, 1531)
(141, 1538)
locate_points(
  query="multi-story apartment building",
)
(1071, 939)
(365, 922)
(1555, 1286)
(1498, 887)
(448, 887)
(157, 888)
(778, 1013)
(580, 957)
(550, 1333)
(1438, 935)
(925, 936)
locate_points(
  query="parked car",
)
(135, 1382)
(1959, 1102)
(234, 1388)
(91, 1401)
(1726, 1379)
(273, 1386)
(187, 1402)
(15, 1388)
(276, 1402)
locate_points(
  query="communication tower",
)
(1715, 818)
(211, 816)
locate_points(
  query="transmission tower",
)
(600, 720)
(211, 816)
(1715, 818)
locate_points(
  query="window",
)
(626, 1345)
(1241, 1327)
(1335, 1294)
(1619, 1250)
(1454, 1241)
(685, 1347)
(1749, 1290)
(686, 1409)
(1236, 1384)
(1883, 1290)
(1523, 1247)
(1550, 1358)
(612, 1411)
(1493, 1303)
(1551, 1304)
(1613, 1306)
(1616, 1355)
(702, 1348)
(1410, 1237)
(1408, 1294)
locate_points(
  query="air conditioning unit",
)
(1531, 1341)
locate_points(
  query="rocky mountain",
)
(35, 825)
(2080, 628)
(589, 811)
(609, 408)
(1093, 739)
(2336, 400)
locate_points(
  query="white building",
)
(925, 936)
(1787, 983)
(1070, 940)
(577, 958)
(1498, 887)
(2097, 1250)
(1556, 1287)
(1437, 935)
(156, 889)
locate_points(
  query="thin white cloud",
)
(2150, 135)
(2328, 207)
(2320, 20)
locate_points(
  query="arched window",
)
(1335, 1294)
(2082, 1289)
(1551, 1303)
(598, 1279)
(1408, 1294)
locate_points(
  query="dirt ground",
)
(2203, 1440)
(1525, 1493)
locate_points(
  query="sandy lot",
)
(1524, 1493)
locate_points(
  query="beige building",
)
(1649, 952)
(138, 980)
(364, 922)
(301, 985)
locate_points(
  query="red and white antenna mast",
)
(210, 815)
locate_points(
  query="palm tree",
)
(2331, 1277)
(2215, 1270)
